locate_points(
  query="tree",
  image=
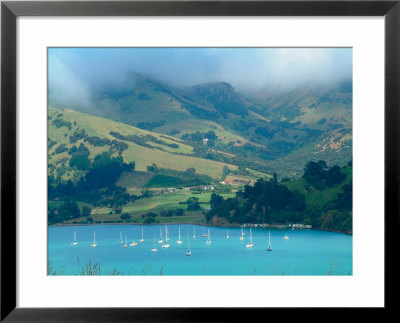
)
(190, 170)
(225, 172)
(215, 200)
(86, 211)
(125, 216)
(152, 168)
(193, 204)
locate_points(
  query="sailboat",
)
(179, 241)
(227, 234)
(205, 235)
(120, 237)
(250, 244)
(74, 243)
(286, 237)
(194, 233)
(209, 238)
(241, 237)
(126, 243)
(142, 239)
(188, 252)
(269, 241)
(155, 245)
(133, 243)
(94, 244)
(166, 244)
(160, 240)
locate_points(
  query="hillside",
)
(321, 198)
(68, 129)
(271, 131)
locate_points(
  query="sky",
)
(76, 73)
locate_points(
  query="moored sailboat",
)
(74, 243)
(179, 241)
(126, 242)
(286, 237)
(94, 244)
(208, 242)
(188, 252)
(161, 239)
(166, 244)
(155, 245)
(250, 244)
(269, 241)
(142, 239)
(227, 234)
(241, 237)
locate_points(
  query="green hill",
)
(68, 128)
(271, 131)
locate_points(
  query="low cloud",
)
(76, 74)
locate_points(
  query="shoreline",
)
(272, 226)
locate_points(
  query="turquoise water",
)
(307, 252)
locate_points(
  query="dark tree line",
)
(266, 201)
(320, 176)
(97, 187)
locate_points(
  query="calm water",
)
(307, 252)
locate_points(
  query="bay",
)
(306, 252)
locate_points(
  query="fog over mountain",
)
(77, 74)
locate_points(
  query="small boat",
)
(269, 241)
(250, 244)
(155, 245)
(227, 234)
(241, 237)
(133, 243)
(188, 252)
(194, 233)
(179, 241)
(94, 244)
(161, 239)
(126, 243)
(166, 244)
(74, 243)
(286, 237)
(120, 237)
(142, 239)
(209, 238)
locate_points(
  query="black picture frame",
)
(11, 10)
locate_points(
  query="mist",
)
(75, 75)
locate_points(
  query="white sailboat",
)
(94, 244)
(166, 244)
(155, 245)
(227, 234)
(250, 244)
(194, 233)
(133, 243)
(179, 241)
(126, 242)
(120, 237)
(286, 237)
(142, 239)
(74, 243)
(241, 237)
(161, 239)
(188, 252)
(209, 238)
(269, 241)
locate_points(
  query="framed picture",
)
(193, 155)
